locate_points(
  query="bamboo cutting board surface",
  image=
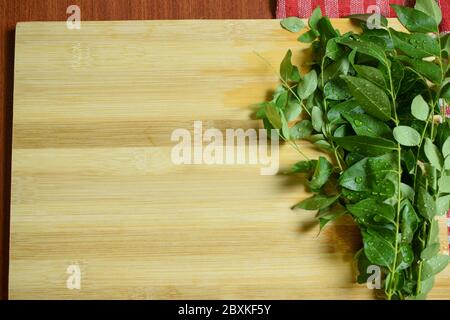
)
(93, 185)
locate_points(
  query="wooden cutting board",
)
(94, 191)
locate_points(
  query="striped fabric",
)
(342, 8)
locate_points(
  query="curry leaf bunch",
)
(375, 102)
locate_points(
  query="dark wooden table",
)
(13, 11)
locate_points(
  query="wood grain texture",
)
(93, 183)
(13, 11)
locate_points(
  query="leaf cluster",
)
(375, 102)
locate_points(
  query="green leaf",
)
(407, 136)
(308, 85)
(365, 125)
(426, 204)
(446, 148)
(368, 146)
(326, 30)
(371, 98)
(317, 118)
(316, 202)
(427, 69)
(280, 97)
(377, 249)
(420, 108)
(445, 91)
(335, 112)
(366, 210)
(409, 221)
(430, 251)
(433, 154)
(336, 89)
(434, 265)
(323, 171)
(323, 145)
(336, 68)
(410, 160)
(431, 176)
(329, 214)
(431, 8)
(292, 109)
(314, 18)
(333, 50)
(286, 66)
(447, 163)
(443, 205)
(433, 235)
(304, 166)
(407, 191)
(361, 175)
(365, 17)
(372, 74)
(308, 37)
(285, 127)
(363, 264)
(365, 47)
(381, 37)
(444, 184)
(416, 45)
(342, 131)
(273, 115)
(301, 130)
(292, 24)
(415, 20)
(426, 285)
(398, 74)
(406, 256)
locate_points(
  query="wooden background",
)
(13, 11)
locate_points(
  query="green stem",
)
(284, 82)
(327, 133)
(390, 290)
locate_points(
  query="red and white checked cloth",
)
(342, 8)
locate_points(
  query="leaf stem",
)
(390, 290)
(284, 82)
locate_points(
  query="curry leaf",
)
(301, 130)
(365, 47)
(431, 8)
(317, 202)
(373, 99)
(415, 20)
(426, 204)
(308, 37)
(308, 85)
(365, 125)
(433, 154)
(434, 266)
(417, 45)
(321, 174)
(371, 74)
(317, 118)
(409, 221)
(369, 146)
(292, 24)
(419, 108)
(286, 66)
(406, 136)
(377, 249)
